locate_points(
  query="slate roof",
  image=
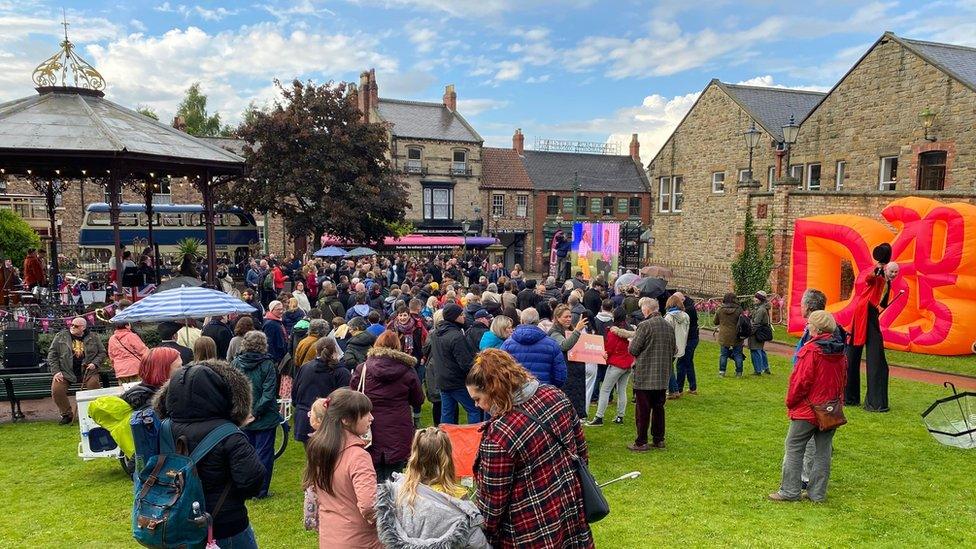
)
(503, 169)
(426, 121)
(957, 61)
(89, 124)
(555, 171)
(772, 107)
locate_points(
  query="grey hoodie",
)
(681, 322)
(435, 521)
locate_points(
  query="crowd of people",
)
(359, 346)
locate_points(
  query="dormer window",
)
(459, 165)
(414, 160)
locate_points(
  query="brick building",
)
(898, 124)
(507, 199)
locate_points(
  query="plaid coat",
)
(654, 346)
(528, 491)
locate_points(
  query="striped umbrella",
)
(181, 303)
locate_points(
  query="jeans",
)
(760, 362)
(449, 410)
(615, 377)
(384, 471)
(650, 413)
(735, 353)
(686, 367)
(591, 374)
(264, 444)
(243, 540)
(797, 438)
(673, 382)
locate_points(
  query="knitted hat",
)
(452, 311)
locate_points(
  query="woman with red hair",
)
(154, 371)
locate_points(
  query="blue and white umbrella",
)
(182, 303)
(330, 251)
(361, 252)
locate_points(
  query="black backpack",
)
(743, 328)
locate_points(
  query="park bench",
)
(37, 386)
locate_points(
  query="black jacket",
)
(356, 348)
(474, 333)
(592, 301)
(527, 298)
(186, 355)
(221, 334)
(693, 316)
(331, 307)
(315, 379)
(453, 355)
(198, 399)
(140, 396)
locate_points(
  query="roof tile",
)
(503, 169)
(556, 171)
(426, 121)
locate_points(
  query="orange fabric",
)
(465, 440)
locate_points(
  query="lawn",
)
(892, 485)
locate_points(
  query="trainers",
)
(738, 374)
(721, 373)
(658, 445)
(638, 447)
(693, 392)
(66, 419)
(597, 422)
(618, 420)
(674, 396)
(768, 372)
(776, 496)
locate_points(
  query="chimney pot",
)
(450, 98)
(635, 148)
(518, 142)
(374, 90)
(179, 123)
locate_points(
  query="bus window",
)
(171, 220)
(143, 219)
(218, 220)
(194, 220)
(98, 219)
(128, 219)
(232, 220)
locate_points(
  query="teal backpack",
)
(169, 508)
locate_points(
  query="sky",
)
(560, 69)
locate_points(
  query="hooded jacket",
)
(760, 316)
(356, 349)
(727, 320)
(602, 322)
(316, 379)
(820, 375)
(261, 372)
(126, 349)
(435, 520)
(199, 398)
(362, 310)
(680, 322)
(475, 332)
(393, 387)
(346, 515)
(454, 356)
(537, 353)
(277, 338)
(490, 341)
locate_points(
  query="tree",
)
(16, 236)
(751, 268)
(193, 111)
(146, 110)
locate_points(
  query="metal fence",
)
(698, 278)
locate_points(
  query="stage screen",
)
(595, 249)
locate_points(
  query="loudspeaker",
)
(27, 346)
(19, 334)
(21, 360)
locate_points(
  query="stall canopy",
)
(425, 242)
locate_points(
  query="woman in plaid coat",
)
(528, 490)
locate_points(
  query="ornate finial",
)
(54, 70)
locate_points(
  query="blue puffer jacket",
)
(538, 353)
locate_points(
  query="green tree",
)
(314, 162)
(146, 110)
(16, 236)
(751, 268)
(193, 111)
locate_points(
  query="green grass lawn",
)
(892, 485)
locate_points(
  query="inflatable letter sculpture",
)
(932, 308)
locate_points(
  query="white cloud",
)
(138, 25)
(767, 81)
(215, 14)
(508, 70)
(474, 107)
(422, 37)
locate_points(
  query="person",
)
(155, 370)
(340, 471)
(500, 330)
(249, 297)
(360, 308)
(678, 319)
(243, 325)
(566, 336)
(757, 349)
(727, 320)
(686, 362)
(198, 399)
(33, 270)
(654, 346)
(819, 377)
(389, 380)
(305, 350)
(411, 332)
(536, 352)
(188, 333)
(320, 376)
(528, 490)
(477, 329)
(431, 367)
(292, 316)
(298, 293)
(260, 370)
(74, 356)
(218, 330)
(275, 332)
(454, 357)
(252, 277)
(358, 344)
(425, 505)
(279, 278)
(167, 335)
(593, 297)
(619, 367)
(126, 351)
(329, 303)
(865, 329)
(528, 297)
(204, 349)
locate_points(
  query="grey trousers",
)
(798, 436)
(807, 459)
(615, 377)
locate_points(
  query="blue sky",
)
(570, 69)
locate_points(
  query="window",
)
(635, 206)
(438, 203)
(889, 173)
(771, 177)
(460, 164)
(932, 171)
(568, 205)
(607, 205)
(622, 205)
(839, 176)
(171, 219)
(498, 205)
(163, 192)
(596, 205)
(745, 175)
(413, 160)
(670, 193)
(813, 177)
(522, 205)
(581, 205)
(796, 172)
(718, 182)
(552, 205)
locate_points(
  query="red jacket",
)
(33, 271)
(617, 353)
(868, 293)
(279, 278)
(820, 375)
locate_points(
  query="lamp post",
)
(927, 117)
(465, 225)
(790, 132)
(752, 136)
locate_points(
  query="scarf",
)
(271, 316)
(406, 330)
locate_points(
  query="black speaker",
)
(21, 360)
(20, 347)
(19, 334)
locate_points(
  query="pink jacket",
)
(126, 349)
(347, 519)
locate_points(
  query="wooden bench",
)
(37, 386)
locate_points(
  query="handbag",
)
(829, 415)
(595, 506)
(368, 437)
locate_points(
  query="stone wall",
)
(436, 159)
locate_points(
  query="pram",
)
(96, 441)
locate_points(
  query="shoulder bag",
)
(368, 437)
(829, 415)
(595, 506)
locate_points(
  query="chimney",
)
(518, 142)
(450, 97)
(179, 123)
(635, 148)
(362, 100)
(374, 90)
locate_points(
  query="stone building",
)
(899, 123)
(507, 200)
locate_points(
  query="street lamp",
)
(752, 136)
(927, 117)
(790, 132)
(465, 225)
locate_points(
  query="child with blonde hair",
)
(425, 506)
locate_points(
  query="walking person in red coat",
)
(33, 270)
